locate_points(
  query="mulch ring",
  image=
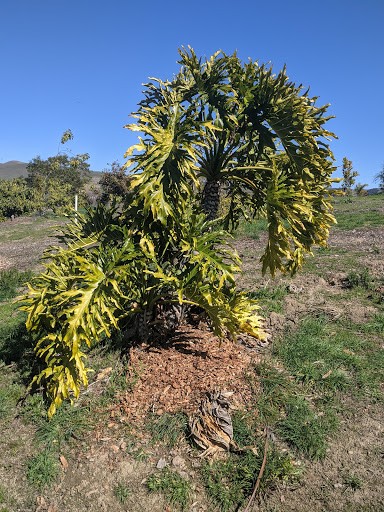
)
(176, 376)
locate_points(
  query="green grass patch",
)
(359, 212)
(67, 421)
(176, 489)
(168, 428)
(353, 220)
(230, 482)
(36, 227)
(252, 229)
(305, 428)
(271, 298)
(10, 394)
(333, 360)
(375, 326)
(43, 468)
(11, 281)
(293, 412)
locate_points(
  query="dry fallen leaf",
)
(64, 462)
(103, 373)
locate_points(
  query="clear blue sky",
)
(79, 64)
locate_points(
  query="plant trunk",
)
(211, 199)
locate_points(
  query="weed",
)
(11, 280)
(176, 489)
(353, 482)
(13, 446)
(168, 428)
(3, 495)
(361, 279)
(140, 455)
(43, 468)
(122, 493)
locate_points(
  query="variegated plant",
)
(218, 125)
(116, 276)
(221, 125)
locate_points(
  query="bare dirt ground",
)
(358, 447)
(36, 234)
(176, 376)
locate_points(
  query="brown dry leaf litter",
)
(176, 376)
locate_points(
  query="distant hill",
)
(373, 191)
(15, 169)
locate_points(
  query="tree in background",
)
(359, 189)
(380, 178)
(64, 169)
(58, 179)
(60, 169)
(51, 184)
(114, 183)
(16, 198)
(348, 176)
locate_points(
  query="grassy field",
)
(313, 396)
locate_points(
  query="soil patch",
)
(175, 377)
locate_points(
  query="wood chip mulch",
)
(176, 376)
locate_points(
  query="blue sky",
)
(80, 64)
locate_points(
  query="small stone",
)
(178, 462)
(337, 486)
(161, 464)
